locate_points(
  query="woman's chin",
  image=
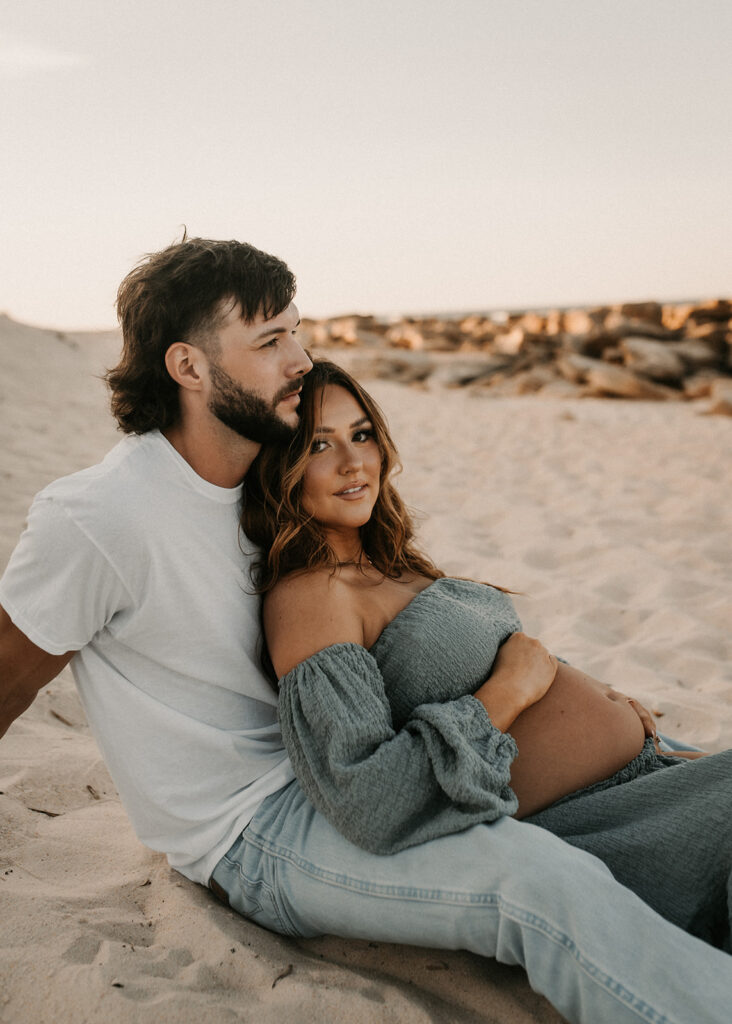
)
(345, 523)
(352, 515)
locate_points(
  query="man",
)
(135, 571)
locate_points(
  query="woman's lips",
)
(353, 492)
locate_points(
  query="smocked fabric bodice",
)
(443, 644)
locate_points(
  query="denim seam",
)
(355, 885)
(619, 991)
(622, 994)
(247, 884)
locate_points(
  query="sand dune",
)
(613, 519)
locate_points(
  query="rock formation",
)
(643, 350)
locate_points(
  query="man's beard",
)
(246, 412)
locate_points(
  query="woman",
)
(387, 669)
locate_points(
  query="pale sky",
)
(416, 156)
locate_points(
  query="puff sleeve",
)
(446, 769)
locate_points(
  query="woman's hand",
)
(522, 673)
(649, 724)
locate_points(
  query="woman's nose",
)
(351, 460)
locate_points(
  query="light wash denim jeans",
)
(507, 890)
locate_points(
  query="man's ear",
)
(185, 364)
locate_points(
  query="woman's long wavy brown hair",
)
(289, 538)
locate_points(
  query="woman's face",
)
(341, 481)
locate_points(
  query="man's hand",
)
(24, 670)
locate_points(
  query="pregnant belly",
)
(574, 736)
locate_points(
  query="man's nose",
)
(299, 362)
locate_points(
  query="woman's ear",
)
(185, 364)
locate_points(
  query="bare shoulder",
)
(306, 612)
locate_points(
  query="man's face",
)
(256, 376)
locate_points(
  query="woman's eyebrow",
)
(331, 430)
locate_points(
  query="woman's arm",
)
(522, 673)
(448, 767)
(306, 612)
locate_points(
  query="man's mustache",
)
(285, 392)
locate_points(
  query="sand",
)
(613, 519)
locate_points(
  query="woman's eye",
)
(317, 446)
(363, 435)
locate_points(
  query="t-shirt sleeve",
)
(447, 768)
(59, 588)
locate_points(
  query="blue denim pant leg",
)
(507, 890)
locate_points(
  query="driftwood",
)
(644, 350)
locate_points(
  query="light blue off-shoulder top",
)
(388, 743)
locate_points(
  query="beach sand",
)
(613, 520)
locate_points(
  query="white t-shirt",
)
(138, 564)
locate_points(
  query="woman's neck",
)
(361, 561)
(347, 548)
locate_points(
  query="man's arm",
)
(24, 670)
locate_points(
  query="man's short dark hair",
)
(180, 294)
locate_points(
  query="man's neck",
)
(221, 458)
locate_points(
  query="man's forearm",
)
(24, 669)
(12, 706)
